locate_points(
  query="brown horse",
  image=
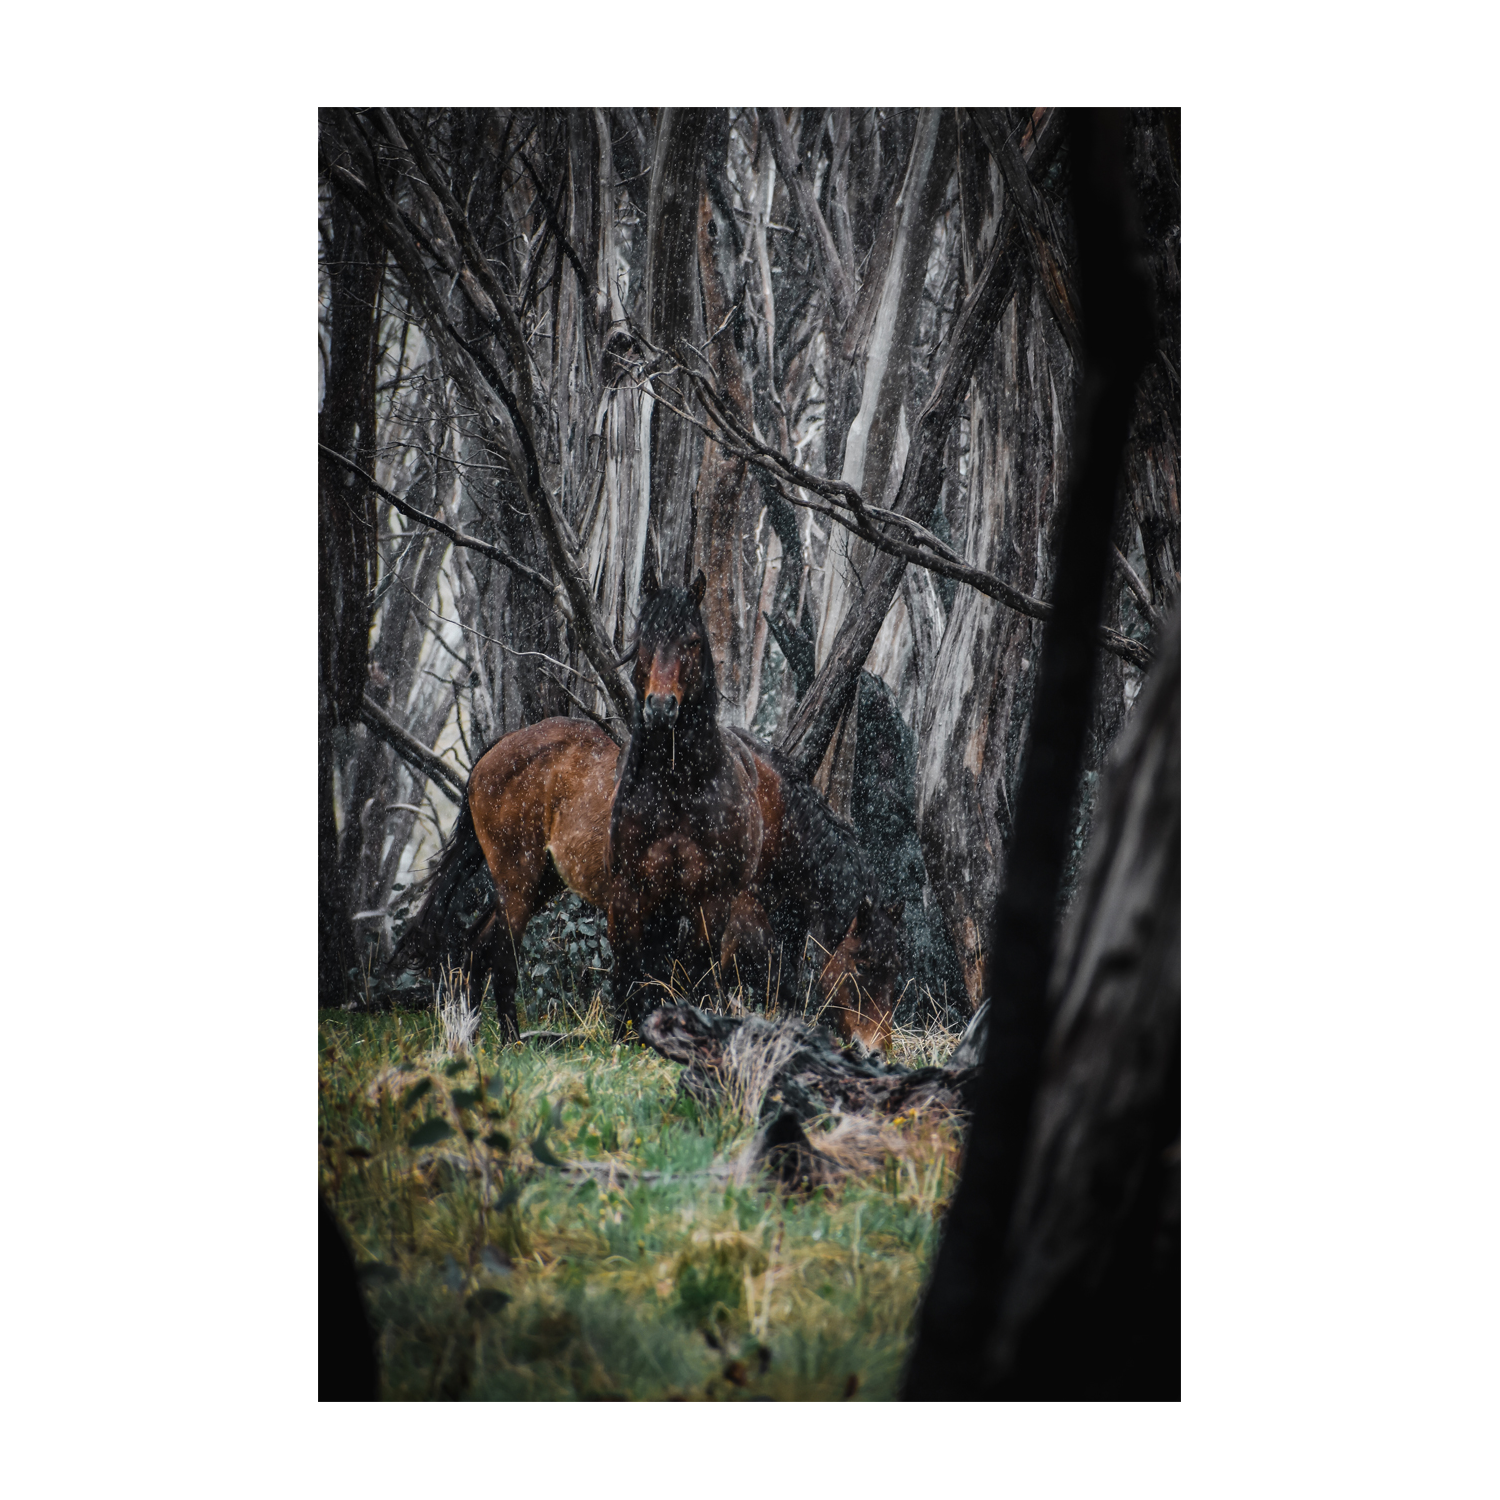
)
(541, 808)
(537, 816)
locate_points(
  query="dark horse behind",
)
(685, 828)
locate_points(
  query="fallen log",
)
(765, 1068)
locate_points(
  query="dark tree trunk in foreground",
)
(1092, 1301)
(956, 1355)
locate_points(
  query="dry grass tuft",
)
(757, 1051)
(458, 1021)
(929, 1045)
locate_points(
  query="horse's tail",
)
(455, 896)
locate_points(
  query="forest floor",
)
(493, 1271)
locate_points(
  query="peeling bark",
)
(346, 520)
(871, 446)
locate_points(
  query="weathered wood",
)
(834, 269)
(493, 400)
(410, 749)
(972, 737)
(871, 445)
(346, 558)
(720, 521)
(1041, 235)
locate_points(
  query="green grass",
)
(490, 1275)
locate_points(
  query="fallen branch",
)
(768, 1068)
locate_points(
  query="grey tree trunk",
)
(973, 732)
(722, 519)
(673, 313)
(346, 424)
(871, 447)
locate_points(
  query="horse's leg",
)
(624, 926)
(745, 953)
(493, 962)
(494, 956)
(643, 945)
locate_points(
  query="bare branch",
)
(1139, 589)
(454, 535)
(413, 751)
(833, 273)
(1057, 284)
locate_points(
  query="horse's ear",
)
(894, 910)
(697, 587)
(862, 916)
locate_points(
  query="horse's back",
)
(563, 741)
(546, 790)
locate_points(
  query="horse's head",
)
(674, 669)
(859, 981)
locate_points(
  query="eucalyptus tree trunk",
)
(871, 450)
(616, 534)
(673, 315)
(877, 442)
(973, 727)
(722, 517)
(973, 730)
(346, 424)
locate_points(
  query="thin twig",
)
(454, 535)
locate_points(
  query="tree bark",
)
(1093, 1266)
(812, 726)
(871, 444)
(720, 521)
(346, 525)
(472, 363)
(673, 315)
(973, 733)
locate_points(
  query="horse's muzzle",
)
(660, 711)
